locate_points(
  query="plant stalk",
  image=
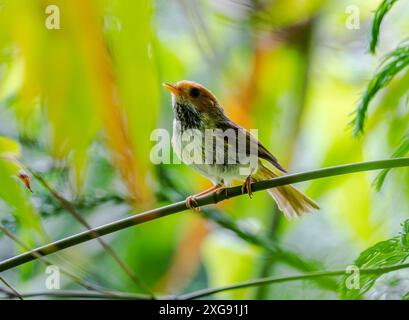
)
(211, 198)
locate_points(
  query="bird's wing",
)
(262, 152)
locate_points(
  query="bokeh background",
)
(78, 105)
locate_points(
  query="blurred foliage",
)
(78, 105)
(385, 253)
(13, 191)
(394, 62)
(401, 151)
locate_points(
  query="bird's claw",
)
(222, 189)
(246, 187)
(191, 203)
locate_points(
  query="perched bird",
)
(196, 111)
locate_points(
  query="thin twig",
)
(273, 249)
(67, 205)
(13, 292)
(6, 292)
(38, 256)
(212, 198)
(206, 292)
(85, 295)
(270, 280)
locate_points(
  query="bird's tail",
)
(291, 201)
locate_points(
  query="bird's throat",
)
(188, 116)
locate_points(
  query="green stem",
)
(82, 294)
(76, 279)
(67, 205)
(271, 247)
(13, 292)
(270, 280)
(206, 292)
(212, 198)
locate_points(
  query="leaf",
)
(9, 148)
(9, 151)
(385, 253)
(380, 13)
(82, 86)
(11, 192)
(137, 87)
(393, 63)
(401, 151)
(12, 79)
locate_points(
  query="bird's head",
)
(189, 97)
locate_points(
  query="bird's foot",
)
(191, 203)
(246, 187)
(222, 189)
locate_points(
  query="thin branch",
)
(13, 292)
(86, 295)
(270, 280)
(284, 255)
(67, 205)
(206, 292)
(171, 192)
(6, 292)
(212, 198)
(38, 256)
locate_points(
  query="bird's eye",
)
(194, 92)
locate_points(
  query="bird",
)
(196, 111)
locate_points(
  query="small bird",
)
(197, 110)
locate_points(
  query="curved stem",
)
(270, 280)
(211, 198)
(207, 292)
(13, 292)
(87, 285)
(67, 205)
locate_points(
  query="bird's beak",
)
(172, 88)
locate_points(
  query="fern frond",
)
(385, 253)
(392, 64)
(401, 151)
(380, 13)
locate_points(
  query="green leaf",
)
(380, 13)
(401, 151)
(9, 148)
(385, 253)
(12, 191)
(393, 63)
